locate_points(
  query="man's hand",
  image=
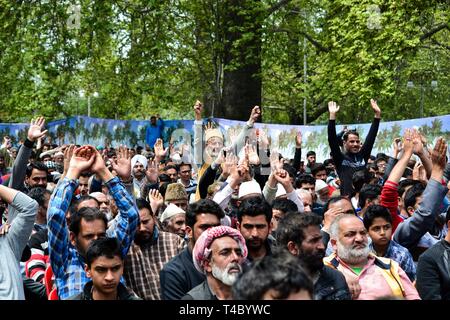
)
(251, 154)
(35, 131)
(254, 116)
(160, 152)
(329, 216)
(283, 178)
(298, 140)
(376, 109)
(397, 147)
(333, 108)
(68, 153)
(408, 145)
(152, 171)
(418, 144)
(230, 162)
(122, 165)
(99, 167)
(438, 159)
(4, 229)
(156, 200)
(198, 108)
(82, 159)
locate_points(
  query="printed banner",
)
(100, 132)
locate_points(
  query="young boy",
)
(378, 222)
(104, 265)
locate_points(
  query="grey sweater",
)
(12, 245)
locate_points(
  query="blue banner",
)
(100, 132)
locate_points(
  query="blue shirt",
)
(66, 262)
(402, 256)
(154, 132)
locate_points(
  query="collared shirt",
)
(192, 186)
(143, 263)
(402, 256)
(66, 262)
(371, 279)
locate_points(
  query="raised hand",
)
(263, 140)
(255, 114)
(198, 108)
(122, 165)
(376, 108)
(329, 216)
(418, 143)
(333, 108)
(408, 146)
(209, 125)
(227, 166)
(398, 147)
(275, 163)
(160, 152)
(282, 177)
(82, 159)
(152, 171)
(155, 199)
(298, 140)
(251, 154)
(438, 154)
(35, 130)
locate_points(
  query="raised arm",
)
(298, 150)
(333, 140)
(421, 152)
(371, 136)
(198, 136)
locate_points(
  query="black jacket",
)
(179, 276)
(122, 293)
(433, 272)
(200, 292)
(331, 285)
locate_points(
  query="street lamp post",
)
(82, 94)
(433, 85)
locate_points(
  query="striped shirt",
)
(143, 263)
(66, 262)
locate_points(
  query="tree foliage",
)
(145, 57)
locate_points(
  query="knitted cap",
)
(213, 133)
(175, 191)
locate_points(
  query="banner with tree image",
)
(103, 132)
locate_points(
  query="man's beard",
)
(352, 255)
(143, 238)
(107, 213)
(224, 276)
(312, 261)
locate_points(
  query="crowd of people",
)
(225, 220)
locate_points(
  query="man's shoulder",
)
(176, 264)
(434, 252)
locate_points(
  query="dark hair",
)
(412, 194)
(368, 192)
(38, 194)
(36, 165)
(170, 166)
(143, 204)
(76, 202)
(147, 187)
(317, 167)
(163, 188)
(103, 247)
(402, 185)
(280, 271)
(164, 178)
(185, 164)
(333, 200)
(304, 178)
(376, 211)
(291, 226)
(284, 205)
(310, 153)
(86, 174)
(202, 206)
(290, 170)
(88, 214)
(360, 178)
(349, 132)
(253, 207)
(328, 162)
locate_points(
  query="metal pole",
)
(89, 106)
(304, 80)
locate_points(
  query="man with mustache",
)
(219, 254)
(300, 235)
(369, 277)
(151, 250)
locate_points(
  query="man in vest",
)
(369, 277)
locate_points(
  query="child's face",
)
(380, 231)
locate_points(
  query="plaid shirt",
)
(402, 256)
(143, 264)
(67, 264)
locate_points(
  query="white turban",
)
(139, 158)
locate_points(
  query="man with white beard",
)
(218, 253)
(369, 277)
(104, 204)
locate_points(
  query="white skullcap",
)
(320, 184)
(171, 210)
(249, 187)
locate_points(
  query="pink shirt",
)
(374, 285)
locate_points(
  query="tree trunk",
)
(242, 59)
